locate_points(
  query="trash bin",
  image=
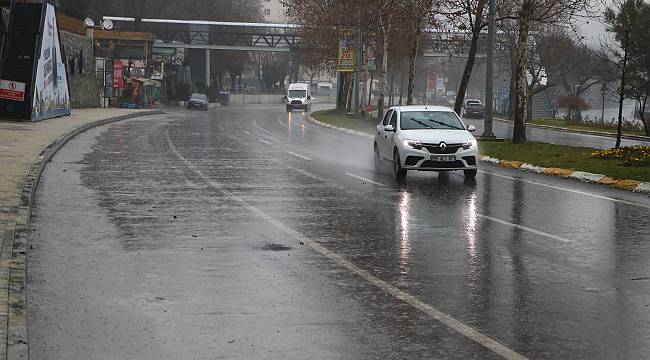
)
(223, 98)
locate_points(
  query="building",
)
(273, 12)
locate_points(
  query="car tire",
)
(400, 173)
(470, 174)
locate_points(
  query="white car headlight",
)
(470, 144)
(413, 144)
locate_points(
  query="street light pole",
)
(489, 77)
(603, 91)
(357, 70)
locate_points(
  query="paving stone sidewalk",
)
(23, 154)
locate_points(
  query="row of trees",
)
(543, 50)
(629, 22)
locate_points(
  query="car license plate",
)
(443, 158)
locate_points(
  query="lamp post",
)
(603, 91)
(489, 85)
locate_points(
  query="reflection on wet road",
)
(255, 234)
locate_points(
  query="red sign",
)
(12, 90)
(118, 75)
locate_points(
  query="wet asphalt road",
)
(256, 235)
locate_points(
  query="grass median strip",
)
(340, 119)
(563, 157)
(596, 127)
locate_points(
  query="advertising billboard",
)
(51, 94)
(346, 51)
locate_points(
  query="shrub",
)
(628, 155)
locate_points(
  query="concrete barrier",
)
(238, 99)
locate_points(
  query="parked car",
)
(198, 101)
(425, 138)
(473, 107)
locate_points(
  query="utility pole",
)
(357, 67)
(489, 77)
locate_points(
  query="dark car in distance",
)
(198, 101)
(473, 108)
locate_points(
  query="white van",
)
(298, 97)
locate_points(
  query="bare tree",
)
(623, 21)
(536, 11)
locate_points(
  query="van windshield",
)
(297, 93)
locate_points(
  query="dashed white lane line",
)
(266, 142)
(465, 330)
(567, 189)
(525, 228)
(247, 133)
(365, 179)
(298, 155)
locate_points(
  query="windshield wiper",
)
(437, 122)
(422, 123)
(441, 123)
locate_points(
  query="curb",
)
(631, 185)
(13, 264)
(347, 131)
(578, 131)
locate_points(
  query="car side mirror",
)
(308, 97)
(389, 128)
(471, 128)
(285, 97)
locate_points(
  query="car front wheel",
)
(400, 173)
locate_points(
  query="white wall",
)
(275, 11)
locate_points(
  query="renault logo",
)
(442, 145)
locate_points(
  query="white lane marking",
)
(365, 179)
(298, 155)
(247, 133)
(567, 189)
(266, 142)
(525, 228)
(434, 313)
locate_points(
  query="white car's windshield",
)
(416, 120)
(297, 93)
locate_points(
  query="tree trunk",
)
(401, 85)
(391, 87)
(621, 93)
(642, 106)
(384, 31)
(519, 131)
(471, 58)
(341, 98)
(529, 105)
(413, 54)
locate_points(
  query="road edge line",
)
(14, 265)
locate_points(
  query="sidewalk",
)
(25, 148)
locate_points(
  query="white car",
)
(425, 138)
